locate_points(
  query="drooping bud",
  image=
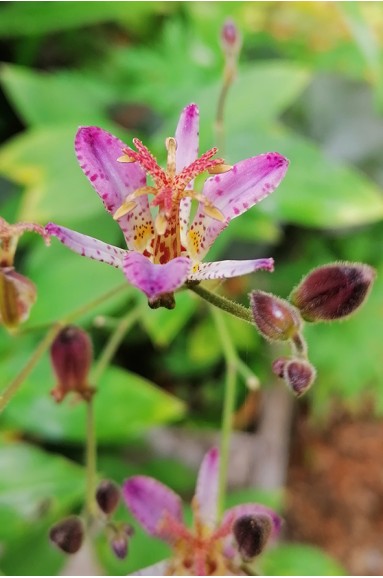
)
(9, 237)
(251, 534)
(119, 541)
(278, 365)
(71, 356)
(107, 496)
(17, 295)
(68, 534)
(275, 318)
(230, 38)
(333, 291)
(299, 375)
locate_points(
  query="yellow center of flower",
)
(168, 190)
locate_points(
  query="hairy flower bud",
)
(251, 534)
(299, 375)
(107, 496)
(278, 365)
(333, 291)
(71, 356)
(275, 318)
(68, 534)
(17, 295)
(119, 539)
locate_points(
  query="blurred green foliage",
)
(309, 86)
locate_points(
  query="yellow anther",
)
(161, 223)
(171, 147)
(125, 159)
(125, 208)
(218, 169)
(213, 212)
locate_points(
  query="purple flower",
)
(209, 548)
(165, 251)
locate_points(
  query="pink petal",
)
(187, 137)
(233, 193)
(87, 246)
(155, 280)
(187, 134)
(228, 269)
(158, 569)
(254, 510)
(206, 495)
(97, 152)
(151, 503)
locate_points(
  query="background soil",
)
(335, 490)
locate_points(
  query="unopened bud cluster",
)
(328, 293)
(118, 533)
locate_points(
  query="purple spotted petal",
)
(187, 134)
(233, 193)
(97, 152)
(158, 569)
(152, 503)
(187, 137)
(228, 269)
(87, 246)
(155, 280)
(206, 494)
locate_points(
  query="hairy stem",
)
(228, 405)
(223, 303)
(102, 363)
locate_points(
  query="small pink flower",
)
(166, 251)
(209, 549)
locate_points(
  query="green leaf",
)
(299, 560)
(66, 281)
(163, 325)
(43, 161)
(317, 191)
(125, 405)
(41, 18)
(68, 97)
(33, 482)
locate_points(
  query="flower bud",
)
(230, 38)
(119, 541)
(251, 534)
(71, 356)
(68, 534)
(333, 291)
(299, 375)
(275, 318)
(107, 496)
(278, 365)
(17, 295)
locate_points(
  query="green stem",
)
(223, 303)
(47, 341)
(228, 405)
(15, 384)
(91, 463)
(102, 363)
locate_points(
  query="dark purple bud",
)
(333, 291)
(251, 534)
(275, 318)
(119, 545)
(17, 295)
(71, 356)
(299, 375)
(278, 365)
(107, 496)
(68, 534)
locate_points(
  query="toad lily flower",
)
(166, 251)
(208, 549)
